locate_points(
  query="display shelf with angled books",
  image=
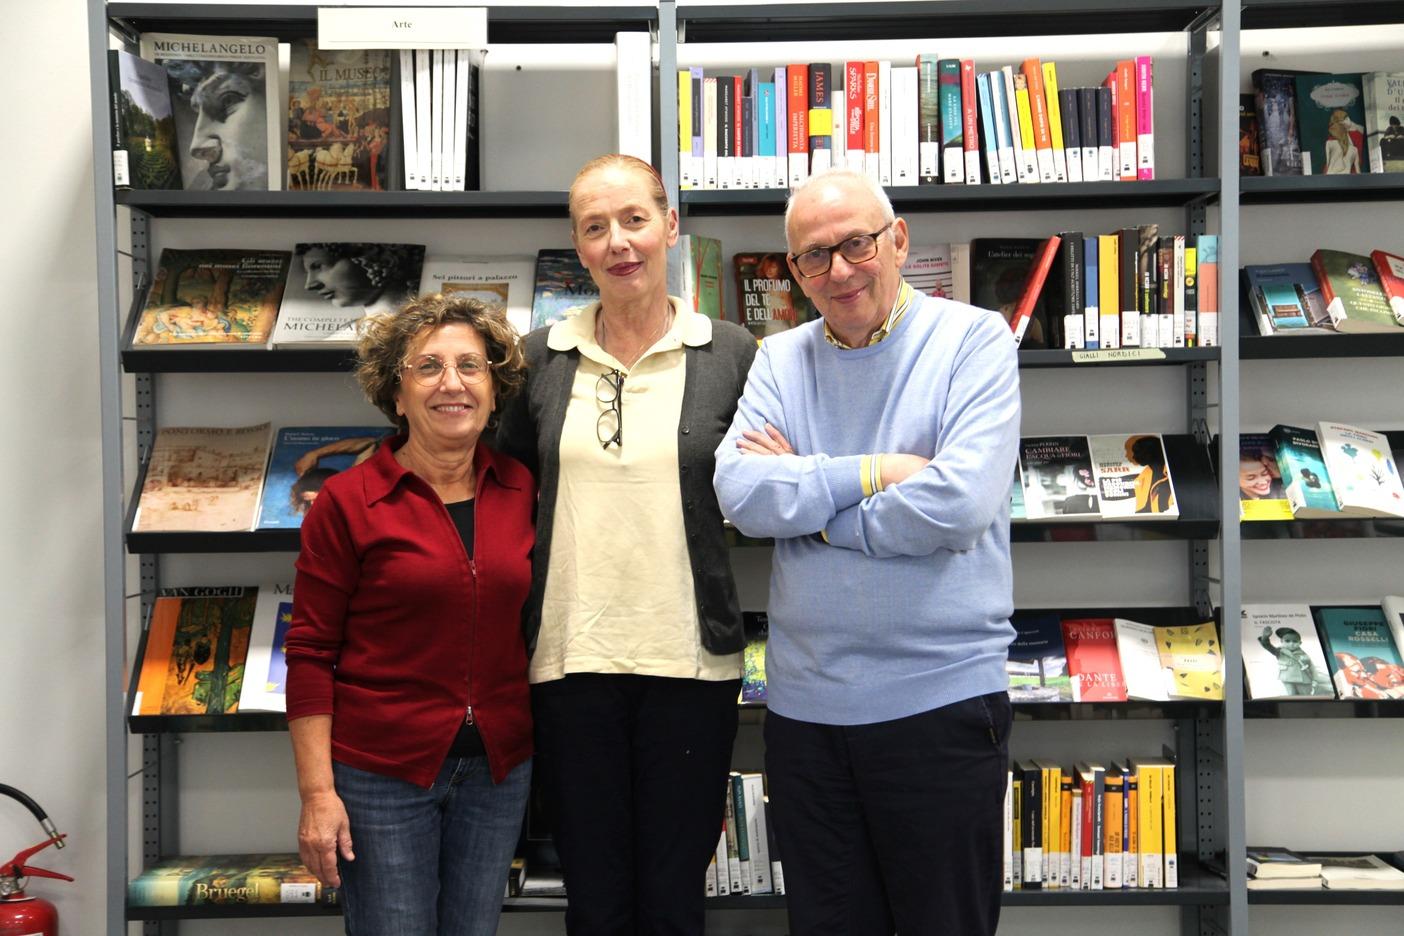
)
(1321, 189)
(1253, 346)
(1161, 193)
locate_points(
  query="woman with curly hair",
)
(377, 277)
(408, 703)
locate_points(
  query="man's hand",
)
(898, 467)
(770, 442)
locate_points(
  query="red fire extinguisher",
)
(20, 913)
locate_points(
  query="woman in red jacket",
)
(408, 702)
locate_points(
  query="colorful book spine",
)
(970, 121)
(1091, 284)
(1145, 119)
(1106, 135)
(685, 179)
(1022, 163)
(1004, 139)
(952, 122)
(797, 106)
(1055, 121)
(1191, 296)
(1039, 120)
(765, 136)
(989, 138)
(1207, 325)
(782, 128)
(854, 107)
(1109, 302)
(929, 119)
(1028, 142)
(1126, 118)
(711, 135)
(821, 116)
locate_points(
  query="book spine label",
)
(711, 133)
(1087, 109)
(1109, 302)
(1126, 118)
(990, 141)
(1004, 144)
(1072, 133)
(1038, 114)
(884, 122)
(1145, 119)
(1106, 136)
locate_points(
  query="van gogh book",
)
(503, 283)
(265, 686)
(304, 457)
(203, 479)
(204, 297)
(193, 652)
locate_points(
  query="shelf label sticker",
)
(297, 892)
(1103, 355)
(402, 27)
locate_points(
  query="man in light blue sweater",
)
(877, 448)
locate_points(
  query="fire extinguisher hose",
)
(24, 799)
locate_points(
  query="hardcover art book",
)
(228, 108)
(1304, 477)
(331, 287)
(1133, 476)
(1093, 661)
(143, 124)
(204, 297)
(1037, 663)
(563, 287)
(1058, 478)
(265, 686)
(999, 269)
(1261, 495)
(304, 457)
(502, 283)
(193, 653)
(203, 479)
(1384, 120)
(1364, 475)
(1282, 657)
(192, 880)
(1364, 661)
(338, 118)
(768, 300)
(1331, 121)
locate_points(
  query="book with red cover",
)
(1033, 286)
(1391, 269)
(1093, 662)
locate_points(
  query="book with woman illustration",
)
(303, 458)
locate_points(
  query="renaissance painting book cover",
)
(203, 479)
(204, 297)
(501, 283)
(193, 658)
(304, 457)
(338, 118)
(563, 287)
(192, 880)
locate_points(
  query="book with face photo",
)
(1133, 476)
(769, 299)
(1282, 657)
(227, 104)
(1261, 495)
(333, 286)
(1059, 481)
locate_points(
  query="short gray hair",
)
(832, 174)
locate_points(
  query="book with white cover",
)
(1133, 476)
(1282, 655)
(1358, 872)
(634, 94)
(266, 668)
(1393, 607)
(409, 132)
(1140, 661)
(928, 269)
(505, 283)
(333, 286)
(1363, 472)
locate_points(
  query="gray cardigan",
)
(530, 431)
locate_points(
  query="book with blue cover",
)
(1038, 663)
(1305, 481)
(304, 457)
(1365, 663)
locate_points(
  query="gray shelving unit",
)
(1210, 738)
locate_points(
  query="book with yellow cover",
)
(1109, 289)
(1195, 660)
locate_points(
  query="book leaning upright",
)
(1364, 475)
(203, 479)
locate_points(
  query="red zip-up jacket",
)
(396, 632)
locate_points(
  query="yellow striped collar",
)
(899, 309)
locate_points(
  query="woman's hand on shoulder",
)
(323, 830)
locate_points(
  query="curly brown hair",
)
(386, 339)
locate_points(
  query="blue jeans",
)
(429, 861)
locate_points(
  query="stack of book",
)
(1359, 872)
(1280, 869)
(1337, 292)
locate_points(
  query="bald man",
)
(876, 447)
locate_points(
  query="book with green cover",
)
(193, 880)
(1365, 663)
(1304, 478)
(1331, 121)
(1355, 300)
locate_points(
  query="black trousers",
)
(636, 767)
(895, 826)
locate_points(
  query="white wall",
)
(237, 791)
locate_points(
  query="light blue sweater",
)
(906, 607)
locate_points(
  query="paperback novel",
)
(768, 300)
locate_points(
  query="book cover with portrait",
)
(1331, 120)
(303, 458)
(1261, 495)
(1282, 656)
(1133, 476)
(204, 297)
(338, 118)
(228, 108)
(332, 286)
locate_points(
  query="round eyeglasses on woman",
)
(856, 249)
(427, 369)
(609, 391)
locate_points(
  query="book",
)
(1364, 660)
(756, 627)
(928, 269)
(1393, 608)
(1282, 656)
(1137, 646)
(1133, 476)
(1390, 268)
(265, 683)
(331, 287)
(1266, 862)
(1017, 511)
(193, 652)
(502, 283)
(1384, 120)
(205, 297)
(203, 479)
(768, 300)
(1261, 495)
(1358, 872)
(1093, 662)
(195, 880)
(1193, 660)
(1249, 160)
(999, 270)
(339, 118)
(1032, 292)
(633, 85)
(1355, 300)
(227, 106)
(1058, 478)
(1304, 477)
(701, 275)
(303, 458)
(1331, 124)
(1275, 97)
(1207, 246)
(563, 287)
(1286, 299)
(143, 124)
(1037, 663)
(1364, 475)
